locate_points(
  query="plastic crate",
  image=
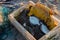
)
(24, 32)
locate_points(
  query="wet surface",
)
(10, 32)
(58, 8)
